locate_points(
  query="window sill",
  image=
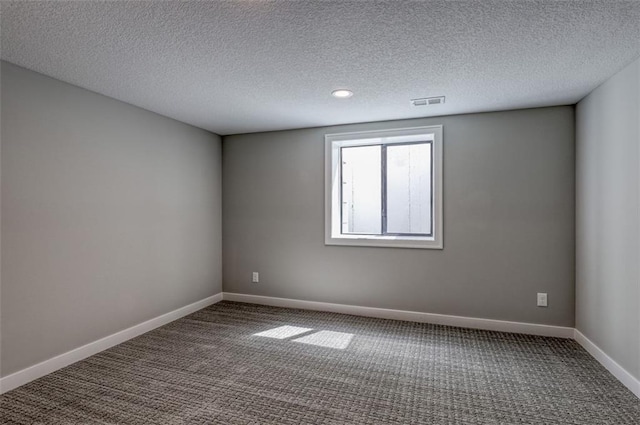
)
(385, 241)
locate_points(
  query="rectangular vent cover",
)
(428, 101)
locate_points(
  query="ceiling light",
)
(342, 93)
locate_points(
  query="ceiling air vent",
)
(428, 101)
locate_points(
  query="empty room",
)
(320, 212)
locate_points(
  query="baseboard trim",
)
(611, 365)
(46, 367)
(411, 316)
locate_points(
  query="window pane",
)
(409, 188)
(362, 190)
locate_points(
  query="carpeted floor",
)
(308, 367)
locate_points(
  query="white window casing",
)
(334, 234)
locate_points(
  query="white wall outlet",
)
(542, 299)
(255, 277)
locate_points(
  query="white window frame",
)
(333, 143)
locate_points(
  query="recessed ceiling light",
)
(342, 93)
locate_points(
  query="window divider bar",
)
(341, 196)
(383, 188)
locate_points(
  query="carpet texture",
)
(307, 367)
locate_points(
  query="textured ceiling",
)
(246, 66)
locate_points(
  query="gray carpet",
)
(211, 368)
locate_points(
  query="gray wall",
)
(110, 216)
(508, 222)
(608, 217)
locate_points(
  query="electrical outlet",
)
(542, 299)
(255, 277)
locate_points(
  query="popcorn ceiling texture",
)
(247, 66)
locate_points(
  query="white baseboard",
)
(46, 367)
(616, 370)
(611, 365)
(412, 316)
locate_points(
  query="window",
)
(384, 188)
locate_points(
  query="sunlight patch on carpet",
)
(283, 332)
(329, 339)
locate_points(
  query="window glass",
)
(361, 190)
(409, 189)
